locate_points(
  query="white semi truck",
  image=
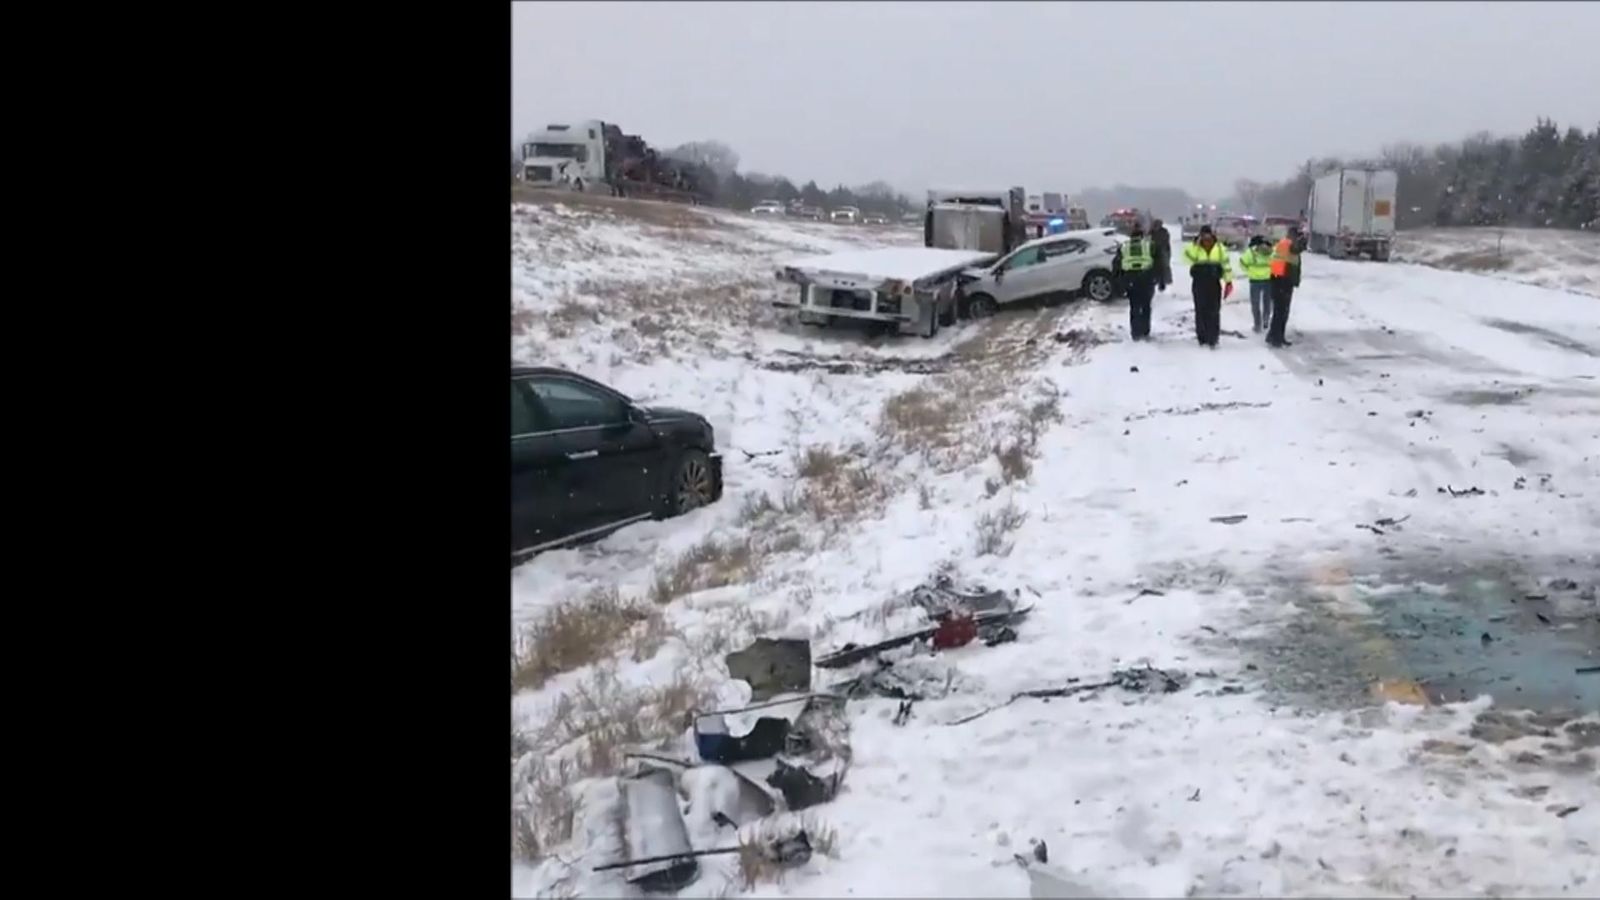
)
(1351, 213)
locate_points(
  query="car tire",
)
(690, 484)
(1099, 287)
(981, 306)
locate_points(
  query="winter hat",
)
(1258, 241)
(1206, 229)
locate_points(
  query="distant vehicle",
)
(1077, 218)
(586, 460)
(910, 218)
(1234, 232)
(874, 219)
(1061, 265)
(1352, 213)
(908, 289)
(991, 220)
(596, 156)
(848, 215)
(1123, 220)
(813, 213)
(767, 208)
(1046, 207)
(1276, 228)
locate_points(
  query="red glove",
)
(1227, 290)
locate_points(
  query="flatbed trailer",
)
(915, 290)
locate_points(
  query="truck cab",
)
(572, 156)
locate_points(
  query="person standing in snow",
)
(1211, 281)
(1256, 261)
(1161, 243)
(1135, 264)
(1285, 268)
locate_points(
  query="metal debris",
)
(852, 653)
(655, 836)
(717, 745)
(1563, 584)
(902, 714)
(1567, 811)
(1468, 492)
(772, 667)
(1587, 670)
(1230, 520)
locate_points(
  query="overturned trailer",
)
(911, 289)
(992, 220)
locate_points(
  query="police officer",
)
(1285, 269)
(1209, 271)
(1136, 263)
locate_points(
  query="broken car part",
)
(772, 667)
(654, 834)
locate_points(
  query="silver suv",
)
(1060, 265)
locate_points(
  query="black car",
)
(586, 460)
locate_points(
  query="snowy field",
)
(1568, 260)
(1381, 635)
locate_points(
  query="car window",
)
(1065, 248)
(1022, 258)
(526, 418)
(571, 404)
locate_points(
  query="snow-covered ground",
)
(1356, 725)
(1568, 260)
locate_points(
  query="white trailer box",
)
(908, 289)
(1352, 213)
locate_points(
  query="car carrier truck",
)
(1352, 213)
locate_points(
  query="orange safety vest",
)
(1282, 256)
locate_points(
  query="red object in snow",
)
(955, 631)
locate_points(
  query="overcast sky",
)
(1053, 95)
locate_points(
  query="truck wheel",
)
(1098, 287)
(1381, 254)
(981, 306)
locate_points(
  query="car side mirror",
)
(637, 416)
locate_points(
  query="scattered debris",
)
(760, 453)
(1182, 483)
(1418, 414)
(800, 788)
(1041, 852)
(1147, 680)
(1195, 797)
(1372, 528)
(1567, 811)
(654, 834)
(1587, 670)
(1543, 618)
(717, 745)
(1230, 520)
(772, 667)
(1078, 337)
(1295, 519)
(794, 850)
(902, 714)
(986, 623)
(1371, 413)
(1210, 629)
(1144, 592)
(1411, 493)
(1535, 596)
(722, 821)
(1133, 368)
(1193, 410)
(955, 631)
(1005, 634)
(1469, 492)
(915, 678)
(1392, 523)
(1520, 484)
(1562, 584)
(1486, 638)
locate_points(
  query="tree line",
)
(1546, 178)
(719, 175)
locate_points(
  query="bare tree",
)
(1248, 193)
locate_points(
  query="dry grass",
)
(919, 418)
(820, 462)
(709, 564)
(1014, 462)
(995, 527)
(588, 733)
(573, 634)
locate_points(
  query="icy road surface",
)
(1394, 624)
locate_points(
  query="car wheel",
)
(691, 486)
(981, 306)
(1098, 287)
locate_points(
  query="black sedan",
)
(586, 460)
